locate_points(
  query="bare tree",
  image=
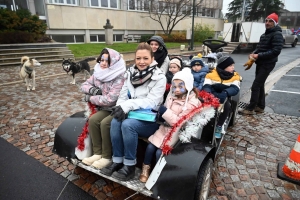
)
(171, 12)
(167, 12)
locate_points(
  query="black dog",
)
(76, 67)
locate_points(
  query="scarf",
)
(110, 73)
(169, 77)
(224, 75)
(160, 56)
(138, 77)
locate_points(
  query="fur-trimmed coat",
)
(173, 113)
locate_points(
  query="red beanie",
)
(273, 17)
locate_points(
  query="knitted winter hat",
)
(158, 39)
(176, 61)
(197, 60)
(187, 77)
(274, 18)
(225, 62)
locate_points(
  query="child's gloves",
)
(161, 110)
(222, 96)
(87, 97)
(249, 63)
(118, 113)
(95, 91)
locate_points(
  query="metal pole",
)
(243, 11)
(192, 39)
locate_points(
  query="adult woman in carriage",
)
(143, 88)
(102, 89)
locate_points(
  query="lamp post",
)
(192, 38)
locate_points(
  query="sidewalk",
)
(246, 166)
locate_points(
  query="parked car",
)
(289, 37)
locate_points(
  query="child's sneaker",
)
(218, 132)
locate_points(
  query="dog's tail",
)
(24, 59)
(89, 59)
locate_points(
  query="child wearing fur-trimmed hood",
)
(181, 100)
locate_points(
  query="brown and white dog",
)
(27, 72)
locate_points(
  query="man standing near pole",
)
(265, 56)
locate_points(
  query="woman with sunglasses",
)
(102, 89)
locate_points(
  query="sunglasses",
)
(269, 20)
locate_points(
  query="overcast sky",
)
(291, 5)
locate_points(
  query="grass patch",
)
(93, 49)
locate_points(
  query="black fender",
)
(178, 179)
(65, 140)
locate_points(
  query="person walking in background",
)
(144, 88)
(102, 89)
(265, 56)
(223, 82)
(199, 71)
(160, 52)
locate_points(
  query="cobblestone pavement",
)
(245, 168)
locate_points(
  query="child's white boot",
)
(103, 162)
(91, 160)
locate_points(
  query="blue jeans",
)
(124, 138)
(149, 153)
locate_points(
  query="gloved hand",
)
(222, 96)
(249, 63)
(118, 113)
(161, 110)
(87, 97)
(95, 91)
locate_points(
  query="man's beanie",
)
(196, 60)
(273, 17)
(176, 61)
(225, 62)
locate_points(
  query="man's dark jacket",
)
(269, 46)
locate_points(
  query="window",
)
(118, 38)
(161, 6)
(13, 5)
(113, 4)
(66, 2)
(97, 38)
(94, 3)
(104, 3)
(68, 38)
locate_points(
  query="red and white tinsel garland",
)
(209, 101)
(84, 134)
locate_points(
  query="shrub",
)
(202, 32)
(145, 38)
(12, 37)
(20, 27)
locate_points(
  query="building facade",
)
(82, 21)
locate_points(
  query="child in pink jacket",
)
(181, 100)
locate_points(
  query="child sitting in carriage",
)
(182, 98)
(223, 82)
